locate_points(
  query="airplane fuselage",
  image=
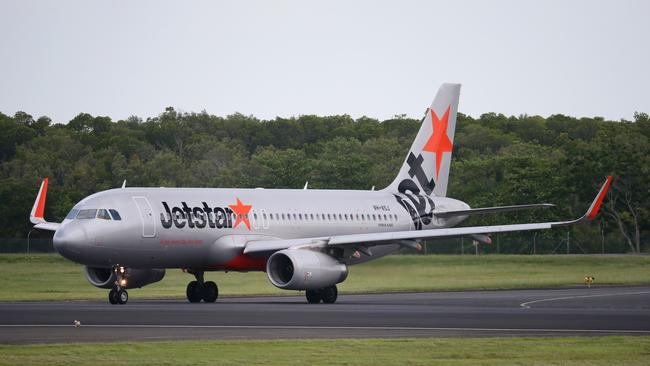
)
(207, 229)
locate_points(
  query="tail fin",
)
(426, 168)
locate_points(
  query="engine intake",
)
(303, 269)
(105, 277)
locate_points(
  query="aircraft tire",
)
(112, 296)
(329, 294)
(193, 291)
(122, 297)
(209, 291)
(313, 296)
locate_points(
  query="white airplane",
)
(304, 239)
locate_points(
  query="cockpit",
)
(94, 213)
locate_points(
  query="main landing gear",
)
(118, 294)
(327, 295)
(201, 290)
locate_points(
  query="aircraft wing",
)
(36, 215)
(411, 238)
(486, 210)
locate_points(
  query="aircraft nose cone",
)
(68, 241)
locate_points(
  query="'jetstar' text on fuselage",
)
(196, 217)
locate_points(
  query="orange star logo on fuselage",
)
(241, 211)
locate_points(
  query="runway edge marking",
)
(525, 305)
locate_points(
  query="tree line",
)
(497, 160)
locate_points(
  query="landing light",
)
(123, 282)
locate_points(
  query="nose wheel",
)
(118, 294)
(201, 290)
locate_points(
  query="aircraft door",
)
(265, 219)
(254, 219)
(146, 215)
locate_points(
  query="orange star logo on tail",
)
(439, 142)
(241, 211)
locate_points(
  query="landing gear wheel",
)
(193, 291)
(209, 292)
(313, 296)
(329, 294)
(112, 296)
(122, 297)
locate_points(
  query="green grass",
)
(446, 351)
(50, 277)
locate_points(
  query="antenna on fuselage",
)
(306, 184)
(124, 184)
(373, 188)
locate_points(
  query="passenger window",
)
(115, 214)
(87, 214)
(72, 214)
(103, 214)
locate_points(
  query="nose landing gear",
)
(118, 294)
(201, 290)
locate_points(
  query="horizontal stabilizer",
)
(487, 210)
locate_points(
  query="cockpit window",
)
(72, 214)
(103, 214)
(87, 214)
(115, 214)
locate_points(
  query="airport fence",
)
(33, 245)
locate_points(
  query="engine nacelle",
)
(105, 277)
(304, 269)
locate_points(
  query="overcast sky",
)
(286, 58)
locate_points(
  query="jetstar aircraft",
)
(303, 239)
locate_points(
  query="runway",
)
(551, 312)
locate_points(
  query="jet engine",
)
(134, 278)
(303, 269)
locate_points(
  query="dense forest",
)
(497, 160)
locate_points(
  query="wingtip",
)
(38, 211)
(595, 205)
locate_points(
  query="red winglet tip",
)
(595, 206)
(40, 208)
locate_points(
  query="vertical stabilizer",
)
(426, 168)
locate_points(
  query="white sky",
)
(286, 58)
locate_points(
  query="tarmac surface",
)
(546, 312)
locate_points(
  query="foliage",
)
(498, 160)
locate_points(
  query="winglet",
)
(595, 205)
(36, 216)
